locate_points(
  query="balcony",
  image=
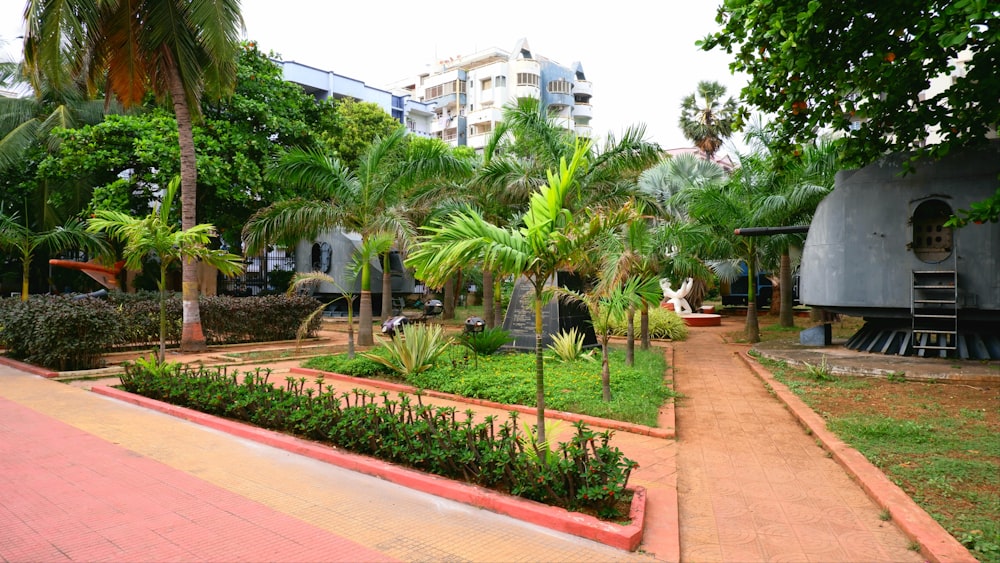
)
(584, 132)
(583, 113)
(583, 88)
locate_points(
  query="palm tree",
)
(706, 119)
(19, 238)
(157, 236)
(550, 238)
(178, 49)
(371, 200)
(612, 298)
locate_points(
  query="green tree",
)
(157, 236)
(355, 125)
(177, 49)
(370, 200)
(707, 119)
(19, 238)
(549, 238)
(863, 69)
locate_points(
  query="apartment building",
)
(470, 91)
(461, 100)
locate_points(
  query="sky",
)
(638, 54)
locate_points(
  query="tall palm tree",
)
(549, 238)
(371, 200)
(157, 236)
(177, 49)
(706, 119)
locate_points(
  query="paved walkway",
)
(87, 478)
(752, 485)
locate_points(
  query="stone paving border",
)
(581, 525)
(935, 542)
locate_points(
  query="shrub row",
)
(662, 324)
(585, 473)
(61, 333)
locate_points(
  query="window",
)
(486, 84)
(932, 241)
(443, 90)
(500, 81)
(560, 86)
(527, 79)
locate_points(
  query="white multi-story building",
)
(462, 100)
(469, 92)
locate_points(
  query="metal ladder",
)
(934, 311)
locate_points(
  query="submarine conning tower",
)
(878, 248)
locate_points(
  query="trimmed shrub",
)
(662, 324)
(59, 332)
(585, 473)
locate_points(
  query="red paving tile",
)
(63, 499)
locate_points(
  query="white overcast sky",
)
(639, 54)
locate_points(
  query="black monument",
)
(558, 315)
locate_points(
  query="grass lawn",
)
(637, 392)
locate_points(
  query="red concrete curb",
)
(561, 415)
(581, 525)
(28, 367)
(935, 542)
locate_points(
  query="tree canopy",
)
(817, 64)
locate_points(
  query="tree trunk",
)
(629, 338)
(498, 313)
(605, 370)
(753, 327)
(449, 299)
(539, 366)
(365, 336)
(488, 315)
(386, 288)
(787, 317)
(644, 324)
(192, 336)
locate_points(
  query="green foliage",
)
(584, 473)
(59, 332)
(639, 390)
(355, 125)
(568, 346)
(359, 366)
(486, 342)
(819, 65)
(662, 324)
(820, 371)
(415, 351)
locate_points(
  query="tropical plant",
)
(550, 239)
(486, 342)
(614, 297)
(662, 324)
(20, 239)
(414, 352)
(176, 49)
(372, 200)
(708, 120)
(567, 345)
(304, 280)
(157, 236)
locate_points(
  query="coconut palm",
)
(17, 237)
(550, 238)
(177, 49)
(706, 119)
(157, 236)
(371, 200)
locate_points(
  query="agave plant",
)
(415, 352)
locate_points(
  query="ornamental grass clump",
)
(584, 474)
(413, 352)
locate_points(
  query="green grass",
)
(637, 392)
